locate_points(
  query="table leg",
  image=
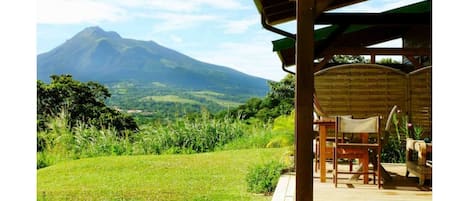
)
(322, 152)
(365, 160)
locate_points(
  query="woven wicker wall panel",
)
(360, 90)
(420, 92)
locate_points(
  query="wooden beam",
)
(304, 99)
(279, 7)
(373, 58)
(320, 65)
(331, 4)
(374, 18)
(332, 39)
(414, 62)
(378, 51)
(321, 6)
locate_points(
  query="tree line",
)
(82, 101)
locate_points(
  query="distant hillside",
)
(104, 56)
(158, 100)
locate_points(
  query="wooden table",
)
(323, 126)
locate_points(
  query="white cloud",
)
(184, 14)
(174, 14)
(174, 21)
(77, 11)
(183, 5)
(253, 57)
(225, 4)
(176, 39)
(240, 26)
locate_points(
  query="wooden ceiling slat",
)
(280, 13)
(342, 3)
(272, 9)
(278, 5)
(274, 14)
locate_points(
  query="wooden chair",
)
(370, 139)
(384, 140)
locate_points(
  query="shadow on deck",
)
(399, 188)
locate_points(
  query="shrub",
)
(281, 140)
(264, 178)
(256, 135)
(43, 160)
(284, 129)
(394, 150)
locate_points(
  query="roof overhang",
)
(359, 30)
(280, 11)
(349, 33)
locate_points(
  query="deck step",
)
(285, 190)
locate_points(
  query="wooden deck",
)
(399, 189)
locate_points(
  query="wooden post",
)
(304, 100)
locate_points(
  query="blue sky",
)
(227, 32)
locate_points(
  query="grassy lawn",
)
(208, 176)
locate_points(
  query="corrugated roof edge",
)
(320, 34)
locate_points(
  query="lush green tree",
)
(83, 102)
(281, 95)
(348, 59)
(387, 61)
(359, 59)
(279, 101)
(283, 90)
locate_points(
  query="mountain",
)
(104, 56)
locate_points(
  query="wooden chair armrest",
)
(420, 147)
(422, 152)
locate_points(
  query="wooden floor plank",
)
(399, 189)
(281, 189)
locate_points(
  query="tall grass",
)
(261, 135)
(60, 142)
(257, 135)
(184, 135)
(188, 136)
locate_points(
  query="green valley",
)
(162, 101)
